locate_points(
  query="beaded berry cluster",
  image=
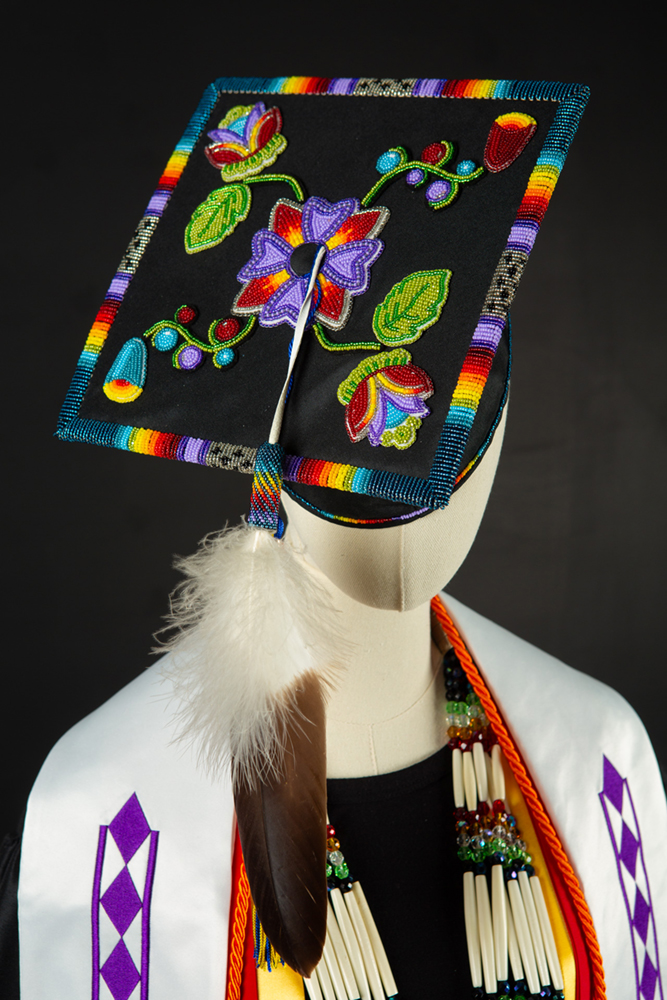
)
(338, 873)
(488, 834)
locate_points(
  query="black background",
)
(571, 552)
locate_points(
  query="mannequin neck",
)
(387, 710)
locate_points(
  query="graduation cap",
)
(318, 294)
(425, 197)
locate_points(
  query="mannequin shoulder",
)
(135, 724)
(520, 672)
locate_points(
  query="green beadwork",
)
(342, 871)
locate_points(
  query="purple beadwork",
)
(619, 811)
(122, 901)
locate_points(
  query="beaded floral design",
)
(189, 351)
(273, 287)
(509, 136)
(384, 400)
(246, 141)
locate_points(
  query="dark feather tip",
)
(282, 826)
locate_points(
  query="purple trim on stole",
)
(146, 914)
(626, 839)
(122, 902)
(95, 913)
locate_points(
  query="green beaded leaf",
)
(217, 217)
(412, 306)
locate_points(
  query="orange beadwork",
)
(538, 812)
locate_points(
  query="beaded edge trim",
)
(435, 491)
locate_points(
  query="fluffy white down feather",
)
(250, 621)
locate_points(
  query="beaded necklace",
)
(511, 944)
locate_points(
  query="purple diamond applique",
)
(632, 873)
(120, 973)
(121, 901)
(649, 979)
(641, 915)
(129, 828)
(629, 848)
(612, 785)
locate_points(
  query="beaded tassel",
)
(507, 926)
(354, 965)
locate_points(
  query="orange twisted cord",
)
(237, 935)
(524, 782)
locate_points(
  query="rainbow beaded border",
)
(428, 493)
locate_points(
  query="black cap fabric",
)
(427, 196)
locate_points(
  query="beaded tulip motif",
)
(388, 406)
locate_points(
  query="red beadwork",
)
(330, 831)
(433, 153)
(505, 143)
(186, 315)
(498, 805)
(483, 808)
(226, 329)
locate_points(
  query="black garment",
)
(397, 835)
(10, 854)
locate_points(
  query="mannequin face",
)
(399, 568)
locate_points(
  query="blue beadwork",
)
(387, 161)
(166, 340)
(466, 167)
(224, 357)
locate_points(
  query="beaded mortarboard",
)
(426, 197)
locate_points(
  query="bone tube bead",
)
(350, 940)
(334, 971)
(326, 985)
(370, 965)
(534, 927)
(523, 936)
(384, 968)
(479, 760)
(547, 934)
(498, 773)
(344, 964)
(499, 908)
(457, 778)
(469, 781)
(472, 933)
(485, 933)
(489, 778)
(313, 987)
(513, 946)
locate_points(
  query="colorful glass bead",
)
(330, 831)
(434, 153)
(333, 844)
(414, 176)
(166, 340)
(342, 871)
(186, 315)
(387, 161)
(189, 357)
(336, 858)
(438, 191)
(226, 329)
(225, 357)
(465, 168)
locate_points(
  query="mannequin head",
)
(402, 567)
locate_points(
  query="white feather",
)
(251, 621)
